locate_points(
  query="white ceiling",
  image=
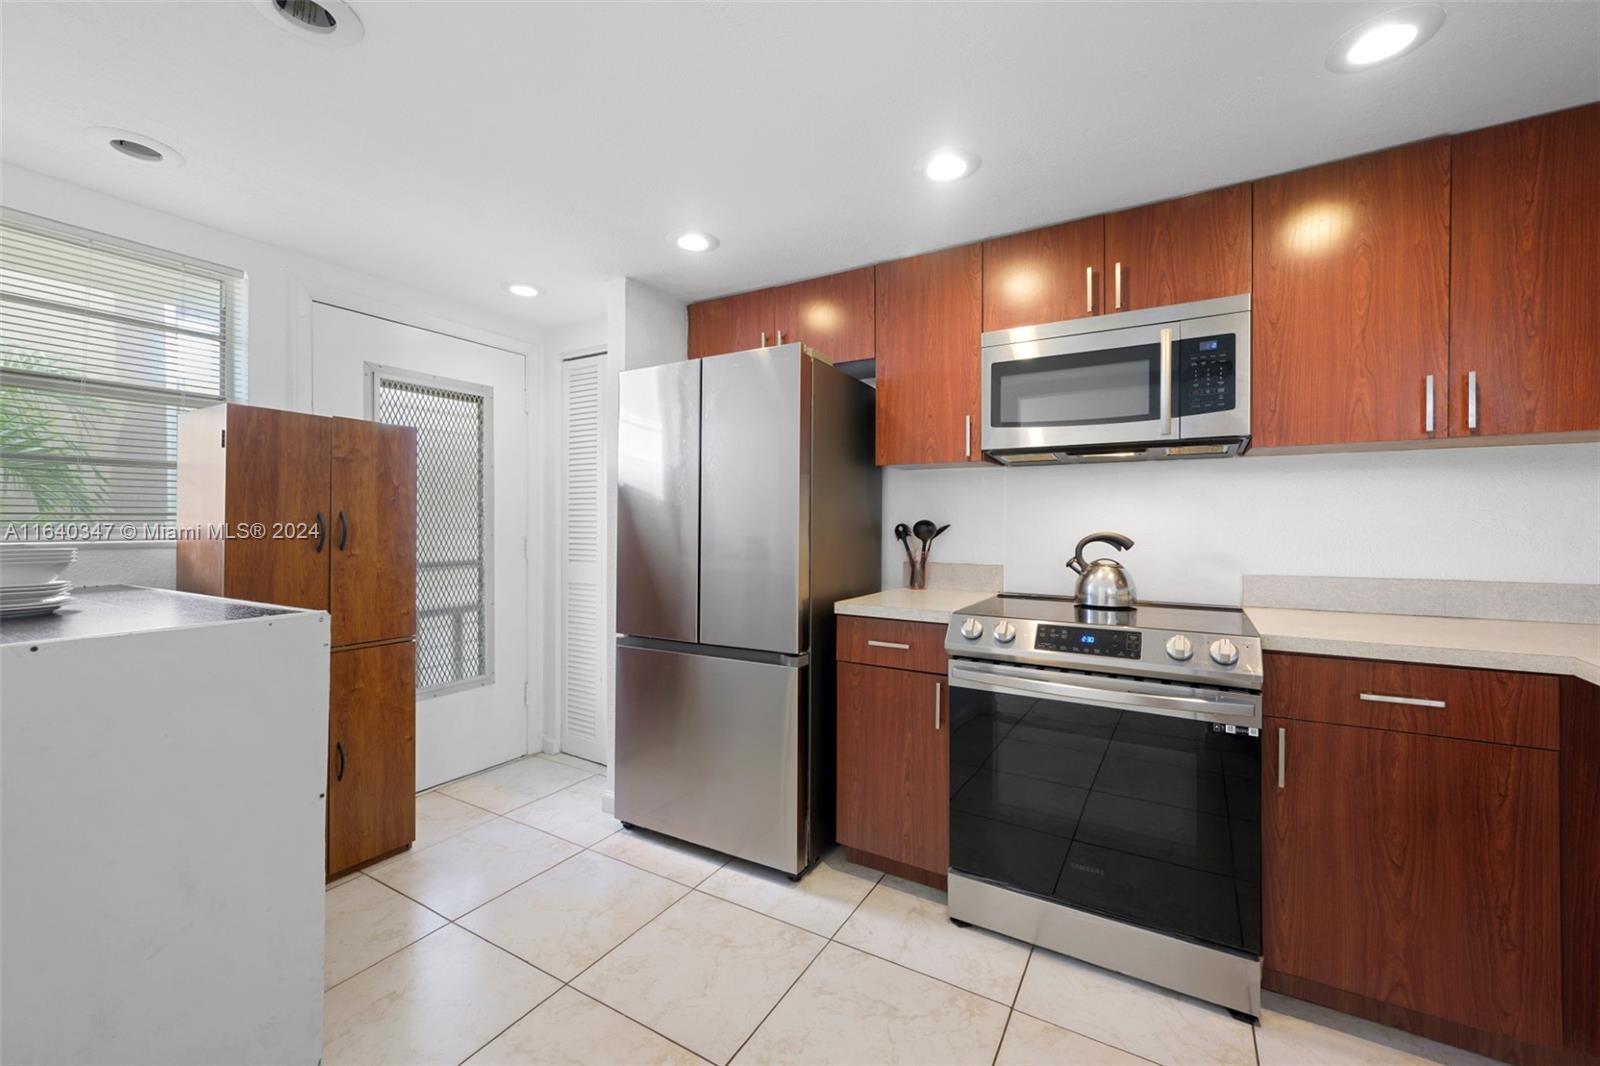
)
(461, 145)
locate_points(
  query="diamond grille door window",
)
(454, 605)
(102, 345)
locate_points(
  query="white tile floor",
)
(526, 926)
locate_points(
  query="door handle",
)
(1472, 399)
(1166, 382)
(1281, 745)
(1428, 418)
(888, 644)
(969, 436)
(1117, 285)
(938, 704)
(322, 532)
(1088, 290)
(344, 531)
(339, 749)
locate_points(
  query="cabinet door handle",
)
(780, 338)
(1088, 290)
(339, 748)
(322, 533)
(1428, 418)
(888, 644)
(938, 704)
(1117, 285)
(1472, 399)
(1408, 701)
(969, 436)
(763, 338)
(344, 531)
(1282, 744)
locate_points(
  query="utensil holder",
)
(919, 569)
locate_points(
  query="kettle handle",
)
(1116, 540)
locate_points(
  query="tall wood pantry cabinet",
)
(317, 512)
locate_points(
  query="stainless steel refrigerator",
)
(748, 502)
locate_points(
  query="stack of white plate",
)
(31, 581)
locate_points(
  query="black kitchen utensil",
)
(902, 533)
(925, 531)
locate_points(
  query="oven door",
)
(1134, 800)
(1110, 387)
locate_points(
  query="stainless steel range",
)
(1105, 773)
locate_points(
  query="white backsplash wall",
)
(1504, 514)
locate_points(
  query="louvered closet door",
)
(583, 645)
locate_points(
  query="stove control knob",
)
(1005, 633)
(1224, 652)
(1179, 647)
(972, 629)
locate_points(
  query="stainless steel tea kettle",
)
(1103, 583)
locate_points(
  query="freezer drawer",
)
(709, 750)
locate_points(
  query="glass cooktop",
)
(1221, 621)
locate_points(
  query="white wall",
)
(281, 285)
(1528, 513)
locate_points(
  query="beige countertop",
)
(1491, 644)
(912, 605)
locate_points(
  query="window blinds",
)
(102, 345)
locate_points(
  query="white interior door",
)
(583, 644)
(481, 720)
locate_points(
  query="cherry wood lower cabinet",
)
(894, 768)
(1429, 863)
(372, 763)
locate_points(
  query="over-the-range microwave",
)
(1160, 383)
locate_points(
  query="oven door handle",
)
(1132, 695)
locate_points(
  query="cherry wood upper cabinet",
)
(372, 532)
(1193, 248)
(1351, 299)
(1433, 886)
(832, 316)
(1524, 283)
(732, 323)
(1045, 275)
(930, 327)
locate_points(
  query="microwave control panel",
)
(1206, 374)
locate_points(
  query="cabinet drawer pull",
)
(896, 645)
(1088, 290)
(1408, 701)
(938, 702)
(1282, 744)
(1428, 418)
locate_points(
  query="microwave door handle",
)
(1166, 382)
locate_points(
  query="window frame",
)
(233, 341)
(375, 375)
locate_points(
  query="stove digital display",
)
(1116, 642)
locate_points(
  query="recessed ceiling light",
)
(695, 241)
(518, 288)
(948, 164)
(1389, 36)
(139, 147)
(319, 21)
